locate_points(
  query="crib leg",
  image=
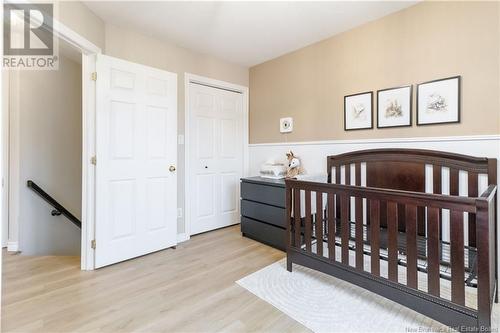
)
(288, 264)
(496, 271)
(496, 294)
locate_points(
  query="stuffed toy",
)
(294, 168)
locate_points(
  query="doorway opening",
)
(72, 45)
(42, 147)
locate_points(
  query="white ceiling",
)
(245, 33)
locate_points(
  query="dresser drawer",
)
(271, 195)
(263, 232)
(258, 211)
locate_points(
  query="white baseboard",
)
(182, 237)
(12, 246)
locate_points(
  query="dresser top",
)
(264, 181)
(318, 178)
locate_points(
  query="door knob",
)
(172, 168)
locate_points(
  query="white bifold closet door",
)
(216, 156)
(136, 145)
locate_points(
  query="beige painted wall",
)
(79, 18)
(132, 46)
(50, 149)
(428, 41)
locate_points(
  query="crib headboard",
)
(405, 169)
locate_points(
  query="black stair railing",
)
(58, 208)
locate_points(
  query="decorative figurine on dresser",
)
(294, 166)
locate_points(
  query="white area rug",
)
(323, 303)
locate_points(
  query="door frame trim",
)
(5, 129)
(89, 57)
(87, 253)
(192, 78)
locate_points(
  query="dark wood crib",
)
(415, 226)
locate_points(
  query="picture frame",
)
(438, 101)
(394, 107)
(358, 111)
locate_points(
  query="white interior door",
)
(216, 156)
(136, 145)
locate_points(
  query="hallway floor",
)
(189, 289)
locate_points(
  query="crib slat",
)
(436, 179)
(392, 239)
(421, 221)
(348, 182)
(347, 178)
(358, 215)
(357, 169)
(456, 231)
(374, 237)
(331, 228)
(457, 257)
(296, 216)
(437, 189)
(411, 246)
(308, 224)
(288, 214)
(344, 228)
(338, 171)
(453, 181)
(319, 223)
(433, 251)
(472, 192)
(359, 233)
(358, 212)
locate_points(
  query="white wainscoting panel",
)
(313, 156)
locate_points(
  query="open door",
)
(136, 146)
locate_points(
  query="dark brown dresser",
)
(263, 210)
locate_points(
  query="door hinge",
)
(93, 244)
(93, 160)
(94, 76)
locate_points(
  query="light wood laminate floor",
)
(189, 289)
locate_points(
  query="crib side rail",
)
(466, 204)
(348, 220)
(486, 231)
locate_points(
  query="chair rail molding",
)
(490, 137)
